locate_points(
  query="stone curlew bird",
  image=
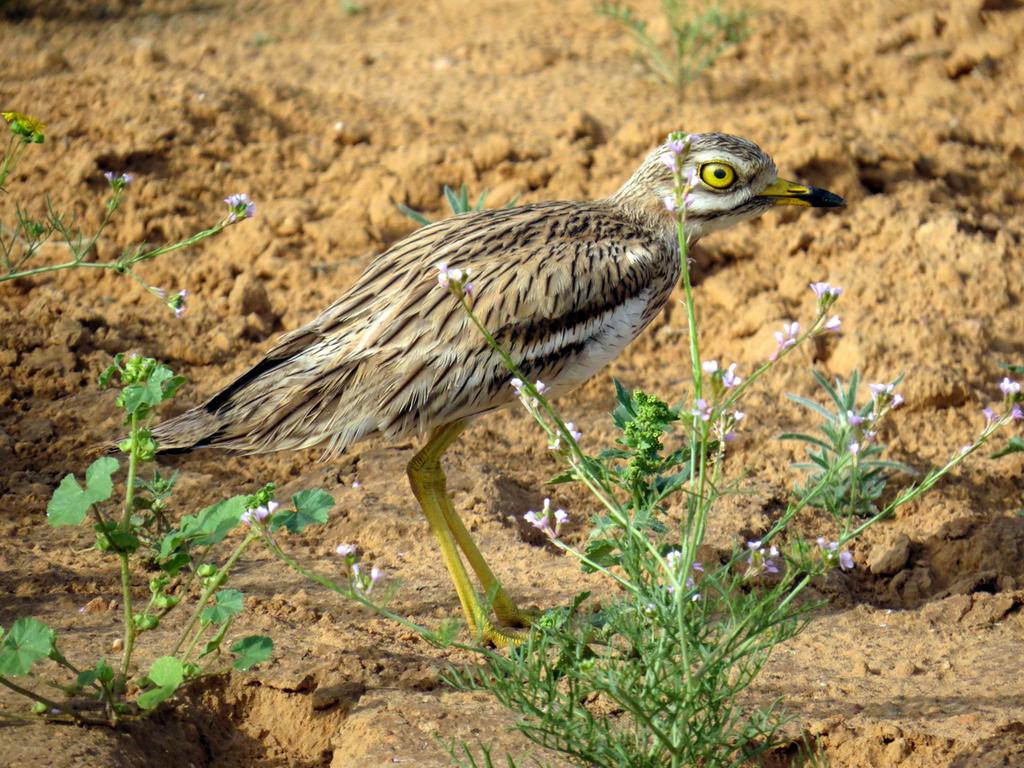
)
(563, 286)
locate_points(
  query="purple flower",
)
(669, 161)
(540, 386)
(854, 419)
(259, 514)
(990, 416)
(677, 146)
(240, 206)
(1016, 413)
(830, 547)
(670, 203)
(549, 520)
(833, 323)
(824, 291)
(761, 560)
(1009, 386)
(177, 303)
(786, 338)
(709, 366)
(703, 410)
(854, 448)
(346, 550)
(517, 385)
(883, 394)
(729, 377)
(574, 433)
(118, 181)
(691, 178)
(362, 582)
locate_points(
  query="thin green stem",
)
(124, 527)
(48, 703)
(189, 241)
(212, 586)
(56, 268)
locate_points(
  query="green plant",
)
(458, 202)
(850, 429)
(136, 533)
(20, 244)
(655, 674)
(699, 34)
(193, 560)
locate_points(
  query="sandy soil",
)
(910, 109)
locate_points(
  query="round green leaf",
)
(166, 674)
(251, 651)
(28, 641)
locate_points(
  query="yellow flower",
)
(24, 125)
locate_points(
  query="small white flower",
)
(446, 274)
(709, 366)
(1009, 386)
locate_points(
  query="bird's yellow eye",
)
(718, 175)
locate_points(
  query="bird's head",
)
(733, 180)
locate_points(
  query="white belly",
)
(609, 335)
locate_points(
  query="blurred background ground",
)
(910, 109)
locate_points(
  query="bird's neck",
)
(646, 209)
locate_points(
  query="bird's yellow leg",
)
(428, 484)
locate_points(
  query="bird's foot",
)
(511, 615)
(511, 628)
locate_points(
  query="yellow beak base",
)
(785, 192)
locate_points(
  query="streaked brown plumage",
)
(563, 286)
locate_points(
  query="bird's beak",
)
(785, 192)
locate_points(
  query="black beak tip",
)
(822, 198)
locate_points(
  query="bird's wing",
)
(397, 353)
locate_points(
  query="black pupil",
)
(719, 173)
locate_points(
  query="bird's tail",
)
(194, 428)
